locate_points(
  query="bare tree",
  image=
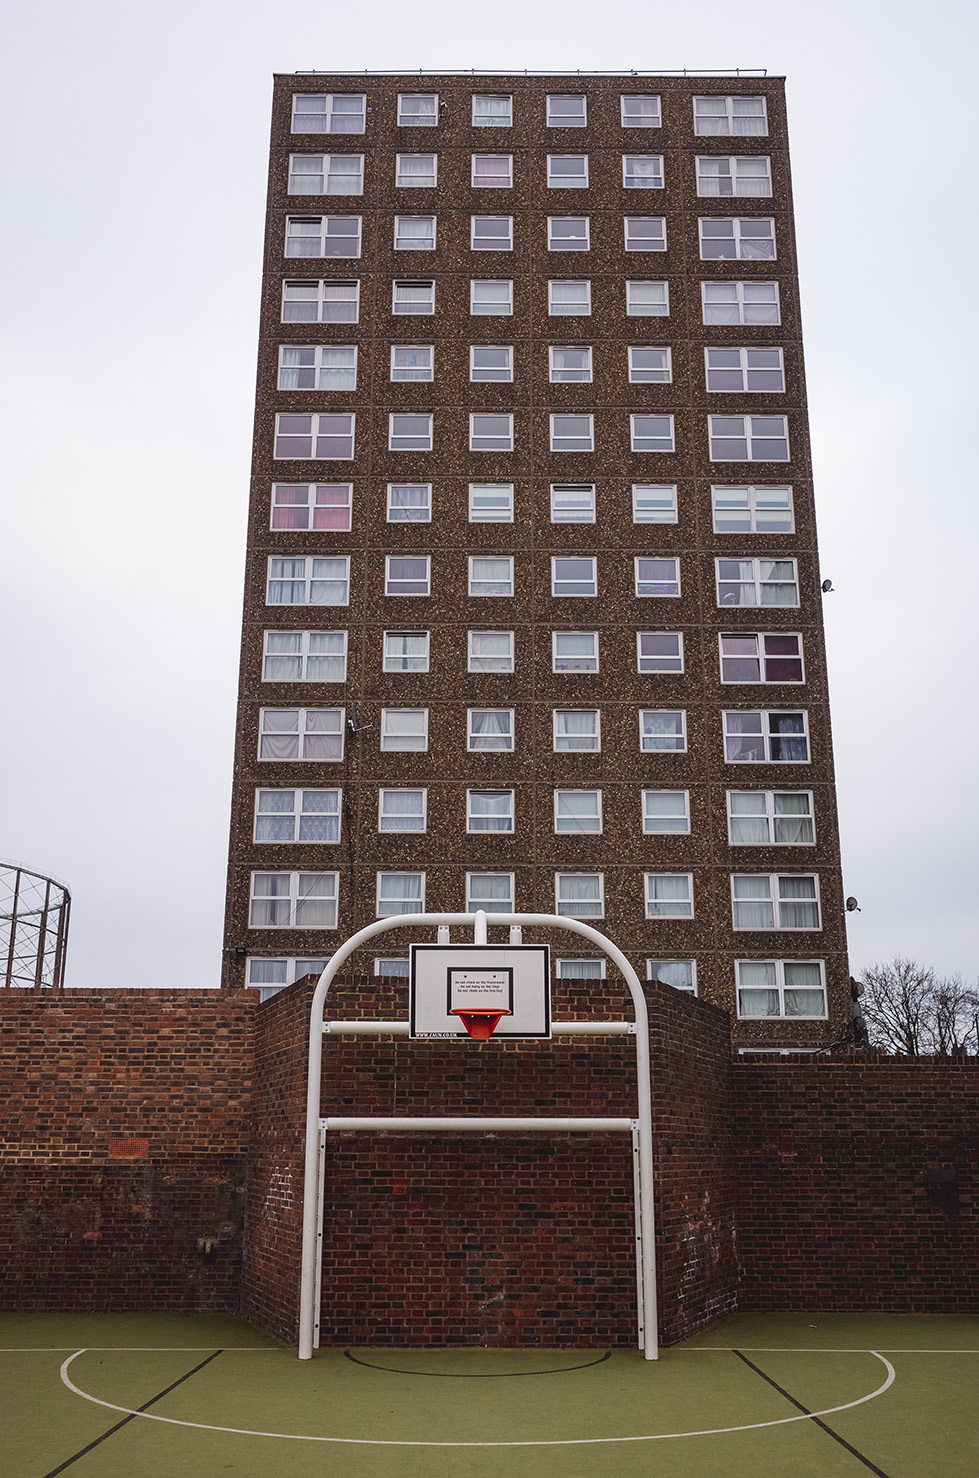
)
(910, 1010)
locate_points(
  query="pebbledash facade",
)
(532, 615)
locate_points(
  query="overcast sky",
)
(134, 179)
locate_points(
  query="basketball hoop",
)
(480, 1024)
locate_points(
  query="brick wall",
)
(124, 1129)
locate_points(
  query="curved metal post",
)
(312, 1189)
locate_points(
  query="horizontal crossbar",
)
(483, 1126)
(403, 1028)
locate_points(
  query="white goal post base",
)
(317, 1127)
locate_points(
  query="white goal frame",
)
(318, 1127)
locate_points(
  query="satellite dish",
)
(827, 587)
(852, 905)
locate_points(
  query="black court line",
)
(828, 1430)
(451, 1375)
(132, 1416)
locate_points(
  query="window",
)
(300, 734)
(402, 810)
(492, 171)
(662, 730)
(570, 364)
(641, 111)
(569, 299)
(642, 171)
(645, 233)
(749, 657)
(660, 651)
(490, 891)
(657, 576)
(781, 988)
(341, 112)
(491, 502)
(653, 502)
(418, 109)
(328, 437)
(757, 582)
(406, 651)
(665, 812)
(491, 362)
(407, 574)
(320, 302)
(572, 502)
(731, 116)
(577, 730)
(647, 299)
(760, 370)
(412, 362)
(396, 967)
(579, 969)
(413, 297)
(490, 729)
(293, 900)
(491, 433)
(766, 736)
(567, 171)
(297, 815)
(326, 174)
(749, 438)
(652, 433)
(492, 110)
(492, 233)
(741, 302)
(489, 810)
(680, 974)
(717, 175)
(410, 433)
(409, 502)
(305, 656)
(491, 651)
(572, 434)
(567, 112)
(414, 233)
(578, 810)
(404, 729)
(320, 505)
(568, 233)
(573, 577)
(669, 895)
(490, 576)
(491, 298)
(269, 976)
(574, 651)
(400, 892)
(775, 901)
(753, 510)
(579, 895)
(737, 239)
(307, 581)
(761, 818)
(306, 367)
(416, 171)
(323, 236)
(649, 366)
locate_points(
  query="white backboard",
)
(471, 976)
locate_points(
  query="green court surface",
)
(770, 1396)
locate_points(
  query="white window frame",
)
(644, 97)
(504, 436)
(393, 967)
(473, 233)
(577, 829)
(328, 113)
(393, 434)
(418, 120)
(477, 374)
(387, 790)
(560, 180)
(650, 829)
(317, 351)
(655, 907)
(738, 238)
(419, 512)
(410, 182)
(781, 986)
(745, 369)
(745, 316)
(582, 310)
(298, 792)
(596, 734)
(635, 241)
(474, 659)
(556, 118)
(771, 817)
(398, 375)
(564, 907)
(304, 656)
(578, 662)
(762, 658)
(660, 656)
(765, 737)
(686, 990)
(309, 578)
(483, 184)
(759, 583)
(473, 734)
(729, 117)
(425, 559)
(636, 308)
(639, 375)
(312, 505)
(290, 970)
(491, 307)
(504, 831)
(389, 733)
(319, 431)
(560, 580)
(660, 500)
(750, 436)
(322, 300)
(595, 971)
(777, 903)
(582, 376)
(725, 519)
(490, 905)
(390, 912)
(494, 97)
(502, 512)
(665, 594)
(390, 657)
(658, 180)
(735, 176)
(401, 311)
(295, 897)
(570, 243)
(324, 237)
(302, 732)
(403, 216)
(573, 509)
(326, 173)
(506, 559)
(645, 748)
(560, 417)
(636, 434)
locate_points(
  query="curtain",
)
(328, 586)
(714, 177)
(666, 811)
(785, 591)
(307, 176)
(491, 729)
(416, 231)
(345, 175)
(752, 176)
(338, 369)
(488, 111)
(292, 366)
(804, 995)
(320, 818)
(316, 906)
(575, 722)
(793, 822)
(323, 737)
(753, 907)
(678, 973)
(416, 169)
(492, 892)
(749, 818)
(493, 812)
(493, 575)
(580, 970)
(643, 171)
(283, 656)
(413, 298)
(798, 907)
(340, 302)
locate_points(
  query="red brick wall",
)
(82, 1228)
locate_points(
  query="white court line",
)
(554, 1442)
(814, 1350)
(143, 1349)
